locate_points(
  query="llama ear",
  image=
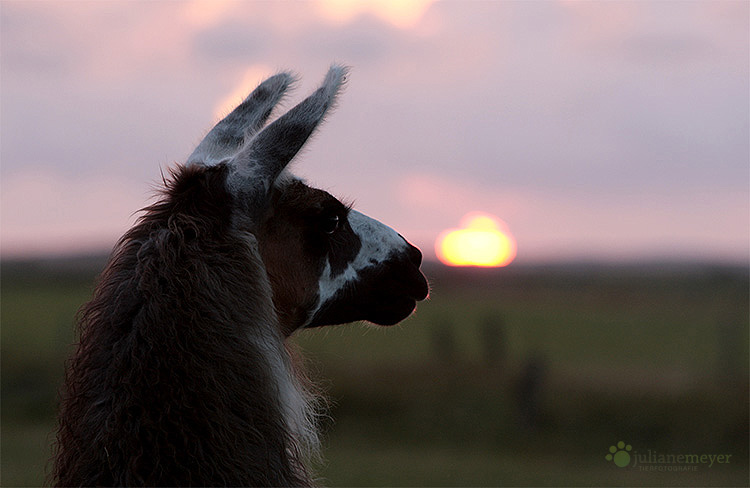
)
(257, 165)
(242, 123)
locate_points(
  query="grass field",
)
(515, 377)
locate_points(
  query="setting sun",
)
(482, 240)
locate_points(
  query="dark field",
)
(517, 376)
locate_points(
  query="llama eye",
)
(330, 224)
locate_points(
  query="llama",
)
(181, 375)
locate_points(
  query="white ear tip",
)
(276, 84)
(336, 76)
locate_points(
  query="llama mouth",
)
(368, 301)
(395, 307)
(391, 308)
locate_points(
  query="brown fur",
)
(293, 251)
(167, 387)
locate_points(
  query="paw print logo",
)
(619, 454)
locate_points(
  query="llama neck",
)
(180, 351)
(297, 404)
(288, 397)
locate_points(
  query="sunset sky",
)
(614, 131)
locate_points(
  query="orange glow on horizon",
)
(400, 13)
(482, 240)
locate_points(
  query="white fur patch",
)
(298, 406)
(379, 242)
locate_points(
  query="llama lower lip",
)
(393, 310)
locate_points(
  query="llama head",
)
(327, 263)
